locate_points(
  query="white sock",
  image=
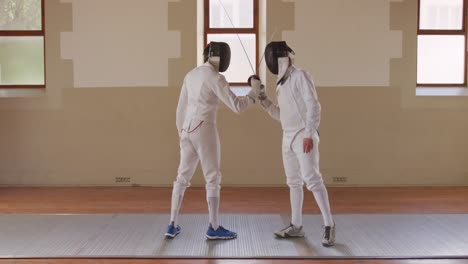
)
(213, 209)
(176, 202)
(321, 197)
(296, 195)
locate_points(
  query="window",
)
(442, 43)
(22, 37)
(235, 22)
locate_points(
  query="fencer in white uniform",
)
(298, 110)
(204, 88)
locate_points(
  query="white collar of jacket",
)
(208, 64)
(288, 73)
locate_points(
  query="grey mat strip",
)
(141, 236)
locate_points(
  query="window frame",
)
(254, 30)
(446, 32)
(29, 33)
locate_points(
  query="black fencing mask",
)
(221, 50)
(273, 51)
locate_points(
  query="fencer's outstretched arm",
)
(237, 104)
(312, 104)
(272, 109)
(181, 108)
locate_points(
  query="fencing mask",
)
(219, 54)
(275, 50)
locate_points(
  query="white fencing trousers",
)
(201, 144)
(303, 168)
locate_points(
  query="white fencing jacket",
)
(303, 110)
(202, 91)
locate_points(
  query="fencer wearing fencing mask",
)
(298, 110)
(278, 59)
(202, 91)
(219, 55)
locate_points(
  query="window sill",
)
(21, 93)
(441, 91)
(240, 90)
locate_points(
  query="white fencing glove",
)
(265, 102)
(256, 85)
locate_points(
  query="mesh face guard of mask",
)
(273, 51)
(221, 50)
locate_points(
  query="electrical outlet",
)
(123, 179)
(340, 179)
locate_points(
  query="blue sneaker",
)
(220, 234)
(172, 231)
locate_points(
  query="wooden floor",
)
(234, 200)
(132, 261)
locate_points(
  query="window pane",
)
(441, 59)
(239, 70)
(239, 11)
(20, 15)
(21, 60)
(441, 14)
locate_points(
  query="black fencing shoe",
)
(328, 239)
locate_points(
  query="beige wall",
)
(117, 44)
(345, 43)
(374, 131)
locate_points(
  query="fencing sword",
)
(271, 38)
(263, 92)
(238, 37)
(262, 96)
(242, 44)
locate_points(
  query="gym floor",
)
(424, 200)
